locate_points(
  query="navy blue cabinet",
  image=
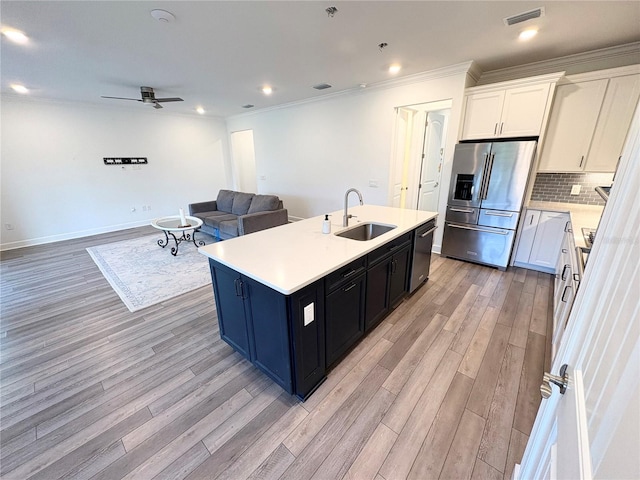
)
(282, 335)
(387, 277)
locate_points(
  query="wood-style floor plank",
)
(446, 386)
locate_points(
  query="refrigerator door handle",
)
(498, 214)
(487, 175)
(461, 210)
(463, 227)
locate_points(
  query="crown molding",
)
(452, 70)
(626, 54)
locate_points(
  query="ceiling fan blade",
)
(172, 99)
(156, 105)
(122, 98)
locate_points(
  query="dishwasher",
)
(422, 243)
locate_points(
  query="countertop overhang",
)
(292, 256)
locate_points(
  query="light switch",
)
(575, 190)
(309, 314)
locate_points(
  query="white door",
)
(432, 155)
(403, 126)
(593, 430)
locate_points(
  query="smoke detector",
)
(524, 16)
(163, 16)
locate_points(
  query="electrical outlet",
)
(8, 226)
(144, 208)
(373, 183)
(148, 208)
(262, 177)
(575, 190)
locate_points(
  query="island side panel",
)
(307, 313)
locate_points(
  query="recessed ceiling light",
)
(19, 88)
(395, 68)
(267, 90)
(200, 110)
(15, 36)
(528, 34)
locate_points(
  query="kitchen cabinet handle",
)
(495, 129)
(564, 292)
(564, 250)
(501, 125)
(462, 227)
(236, 284)
(349, 273)
(462, 210)
(496, 214)
(581, 161)
(564, 270)
(350, 287)
(531, 221)
(566, 227)
(431, 230)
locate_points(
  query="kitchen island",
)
(293, 300)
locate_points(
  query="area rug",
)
(142, 273)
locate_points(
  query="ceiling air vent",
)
(523, 17)
(322, 86)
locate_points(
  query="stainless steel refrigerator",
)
(488, 184)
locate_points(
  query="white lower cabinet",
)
(566, 284)
(540, 240)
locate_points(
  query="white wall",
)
(311, 153)
(55, 186)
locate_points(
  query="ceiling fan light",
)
(395, 68)
(267, 90)
(200, 110)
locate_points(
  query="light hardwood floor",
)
(445, 387)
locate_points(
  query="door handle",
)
(435, 184)
(562, 381)
(462, 210)
(496, 214)
(428, 232)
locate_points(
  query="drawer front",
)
(344, 274)
(462, 215)
(387, 249)
(499, 219)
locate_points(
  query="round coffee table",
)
(172, 226)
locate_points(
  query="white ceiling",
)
(218, 53)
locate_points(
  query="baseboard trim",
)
(70, 236)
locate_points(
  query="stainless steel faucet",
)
(346, 216)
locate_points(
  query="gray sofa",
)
(238, 213)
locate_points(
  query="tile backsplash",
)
(556, 187)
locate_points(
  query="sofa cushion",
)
(241, 203)
(229, 227)
(213, 219)
(264, 203)
(225, 200)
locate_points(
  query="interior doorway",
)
(418, 155)
(244, 161)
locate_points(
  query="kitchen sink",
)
(365, 231)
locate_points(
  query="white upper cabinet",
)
(589, 121)
(507, 109)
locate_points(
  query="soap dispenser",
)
(326, 224)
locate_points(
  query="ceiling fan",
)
(149, 97)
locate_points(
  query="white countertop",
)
(292, 256)
(582, 216)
